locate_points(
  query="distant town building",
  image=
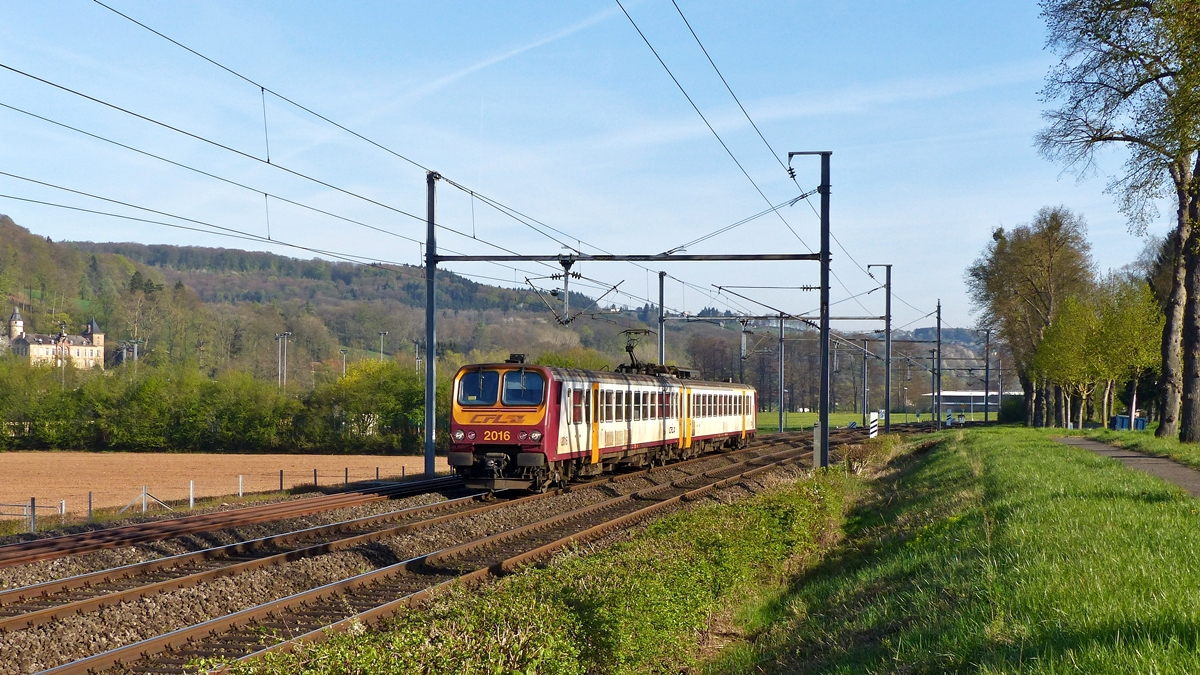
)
(81, 351)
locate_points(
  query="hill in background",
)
(219, 310)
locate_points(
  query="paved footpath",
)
(1166, 469)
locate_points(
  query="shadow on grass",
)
(917, 587)
(843, 614)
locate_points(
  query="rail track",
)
(127, 535)
(371, 596)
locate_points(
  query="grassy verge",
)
(643, 605)
(998, 551)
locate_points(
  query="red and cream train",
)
(524, 426)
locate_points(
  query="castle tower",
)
(93, 332)
(16, 326)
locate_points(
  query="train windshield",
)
(478, 387)
(523, 387)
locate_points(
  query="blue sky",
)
(560, 111)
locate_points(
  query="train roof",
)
(612, 376)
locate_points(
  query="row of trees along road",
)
(1069, 332)
(1129, 76)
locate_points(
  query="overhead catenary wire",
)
(263, 90)
(707, 123)
(217, 230)
(244, 186)
(730, 90)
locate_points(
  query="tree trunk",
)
(1189, 411)
(1170, 384)
(1030, 399)
(1106, 408)
(1039, 405)
(1133, 404)
(1060, 419)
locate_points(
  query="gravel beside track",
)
(60, 568)
(31, 649)
(79, 635)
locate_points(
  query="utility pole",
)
(343, 351)
(821, 444)
(279, 360)
(417, 355)
(887, 350)
(939, 363)
(987, 370)
(933, 387)
(286, 334)
(662, 322)
(431, 259)
(566, 263)
(742, 360)
(866, 399)
(781, 373)
(382, 333)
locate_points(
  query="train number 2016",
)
(497, 436)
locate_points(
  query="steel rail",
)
(95, 596)
(418, 570)
(511, 563)
(86, 542)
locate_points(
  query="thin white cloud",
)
(849, 100)
(447, 80)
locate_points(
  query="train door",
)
(577, 429)
(685, 417)
(742, 401)
(594, 420)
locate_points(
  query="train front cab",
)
(499, 426)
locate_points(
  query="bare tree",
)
(1130, 75)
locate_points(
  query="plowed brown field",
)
(115, 478)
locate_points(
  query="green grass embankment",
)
(642, 605)
(998, 551)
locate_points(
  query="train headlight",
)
(470, 435)
(522, 436)
(459, 435)
(535, 435)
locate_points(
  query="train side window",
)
(620, 406)
(725, 403)
(629, 406)
(587, 405)
(608, 405)
(577, 406)
(645, 405)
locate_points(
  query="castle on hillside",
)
(81, 351)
